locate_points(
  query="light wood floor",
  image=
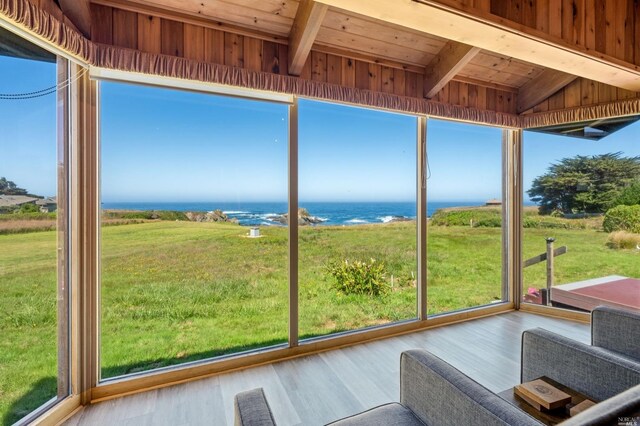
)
(320, 388)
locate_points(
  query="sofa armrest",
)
(439, 394)
(252, 409)
(616, 330)
(595, 372)
(621, 409)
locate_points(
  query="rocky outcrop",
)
(213, 216)
(304, 218)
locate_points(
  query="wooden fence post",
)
(549, 268)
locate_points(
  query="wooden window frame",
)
(64, 402)
(511, 282)
(132, 383)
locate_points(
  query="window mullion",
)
(293, 223)
(422, 217)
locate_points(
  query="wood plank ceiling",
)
(377, 41)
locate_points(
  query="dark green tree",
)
(7, 187)
(630, 195)
(588, 184)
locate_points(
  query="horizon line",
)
(285, 201)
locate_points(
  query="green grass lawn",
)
(180, 291)
(588, 257)
(28, 346)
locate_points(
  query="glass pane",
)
(464, 206)
(357, 239)
(185, 178)
(585, 196)
(29, 232)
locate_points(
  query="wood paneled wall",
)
(583, 92)
(159, 35)
(611, 27)
(471, 95)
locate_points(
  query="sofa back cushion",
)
(616, 330)
(439, 394)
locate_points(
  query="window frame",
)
(64, 235)
(294, 343)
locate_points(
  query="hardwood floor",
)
(316, 389)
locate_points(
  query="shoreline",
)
(257, 220)
(252, 219)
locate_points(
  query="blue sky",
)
(541, 150)
(169, 145)
(28, 151)
(464, 161)
(354, 154)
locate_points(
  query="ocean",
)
(329, 213)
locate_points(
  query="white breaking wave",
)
(321, 219)
(271, 217)
(234, 212)
(386, 219)
(356, 221)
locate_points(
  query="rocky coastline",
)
(212, 216)
(304, 218)
(219, 216)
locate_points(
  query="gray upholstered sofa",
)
(610, 365)
(432, 392)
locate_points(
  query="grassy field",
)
(588, 257)
(27, 323)
(178, 291)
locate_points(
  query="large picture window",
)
(196, 260)
(34, 249)
(194, 237)
(357, 236)
(582, 204)
(464, 206)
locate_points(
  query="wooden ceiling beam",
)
(446, 64)
(303, 33)
(482, 30)
(79, 13)
(541, 87)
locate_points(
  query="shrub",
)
(170, 215)
(488, 222)
(622, 218)
(485, 217)
(29, 208)
(629, 196)
(546, 222)
(359, 277)
(623, 240)
(27, 216)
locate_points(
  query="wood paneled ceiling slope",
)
(520, 56)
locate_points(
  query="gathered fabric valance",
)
(573, 115)
(33, 19)
(26, 15)
(170, 66)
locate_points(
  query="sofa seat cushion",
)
(393, 414)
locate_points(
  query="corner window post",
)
(293, 224)
(512, 214)
(422, 217)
